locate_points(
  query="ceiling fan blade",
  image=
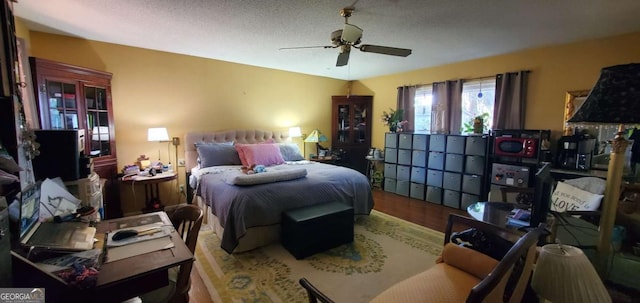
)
(302, 47)
(385, 50)
(351, 33)
(343, 57)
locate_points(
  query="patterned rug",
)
(385, 250)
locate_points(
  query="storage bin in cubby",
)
(405, 141)
(390, 170)
(402, 187)
(418, 174)
(455, 144)
(420, 142)
(404, 156)
(419, 158)
(416, 191)
(434, 194)
(390, 185)
(436, 160)
(451, 198)
(437, 142)
(403, 172)
(391, 140)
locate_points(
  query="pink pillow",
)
(243, 160)
(264, 154)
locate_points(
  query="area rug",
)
(385, 250)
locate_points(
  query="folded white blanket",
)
(266, 177)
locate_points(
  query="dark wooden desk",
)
(117, 280)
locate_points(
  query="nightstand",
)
(151, 190)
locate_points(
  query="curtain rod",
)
(465, 79)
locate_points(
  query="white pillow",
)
(568, 198)
(590, 184)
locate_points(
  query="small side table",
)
(371, 171)
(151, 190)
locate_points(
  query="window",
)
(422, 106)
(478, 98)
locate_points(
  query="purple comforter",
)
(241, 207)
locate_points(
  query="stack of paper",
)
(137, 245)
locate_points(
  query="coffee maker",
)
(586, 147)
(575, 152)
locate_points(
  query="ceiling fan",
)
(350, 36)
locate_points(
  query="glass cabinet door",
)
(98, 121)
(62, 105)
(359, 133)
(344, 121)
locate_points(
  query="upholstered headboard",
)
(238, 136)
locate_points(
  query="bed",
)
(245, 210)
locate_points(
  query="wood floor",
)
(420, 212)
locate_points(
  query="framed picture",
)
(322, 153)
(572, 103)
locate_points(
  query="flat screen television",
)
(542, 196)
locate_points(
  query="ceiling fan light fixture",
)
(351, 33)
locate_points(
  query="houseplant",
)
(394, 119)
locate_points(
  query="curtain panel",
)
(511, 97)
(446, 107)
(405, 102)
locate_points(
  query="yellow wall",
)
(554, 71)
(183, 93)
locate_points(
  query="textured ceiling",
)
(251, 32)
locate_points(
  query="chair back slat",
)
(187, 220)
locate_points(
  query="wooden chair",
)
(464, 274)
(186, 219)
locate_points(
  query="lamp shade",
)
(615, 98)
(315, 136)
(295, 132)
(563, 274)
(100, 133)
(158, 134)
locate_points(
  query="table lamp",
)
(615, 99)
(563, 274)
(316, 136)
(159, 134)
(296, 132)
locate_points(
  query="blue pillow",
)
(290, 152)
(214, 154)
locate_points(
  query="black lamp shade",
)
(615, 98)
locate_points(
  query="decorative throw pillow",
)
(568, 198)
(264, 154)
(290, 152)
(241, 151)
(213, 154)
